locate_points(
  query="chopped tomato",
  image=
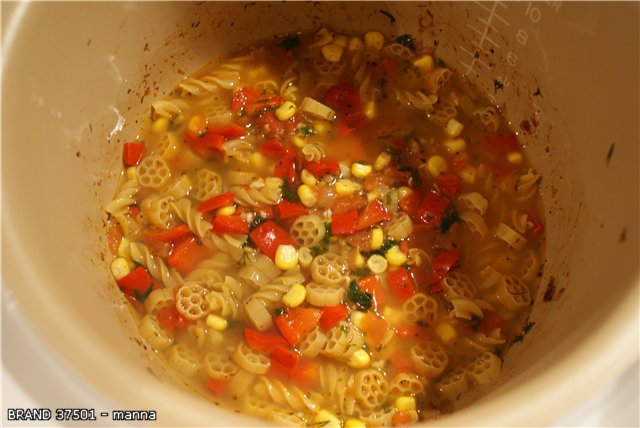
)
(187, 254)
(134, 210)
(373, 214)
(431, 209)
(217, 386)
(270, 124)
(296, 323)
(306, 373)
(229, 131)
(269, 236)
(410, 203)
(322, 167)
(132, 153)
(287, 210)
(285, 356)
(400, 361)
(206, 144)
(262, 342)
(136, 281)
(344, 98)
(360, 240)
(436, 288)
(448, 183)
(374, 329)
(218, 201)
(410, 331)
(401, 284)
(443, 263)
(371, 284)
(332, 315)
(155, 236)
(273, 148)
(344, 224)
(501, 144)
(229, 224)
(344, 204)
(349, 123)
(534, 231)
(420, 278)
(390, 177)
(286, 168)
(170, 319)
(401, 419)
(243, 97)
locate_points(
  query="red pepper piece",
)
(218, 201)
(344, 224)
(373, 214)
(268, 237)
(132, 153)
(287, 210)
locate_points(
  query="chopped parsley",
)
(290, 42)
(360, 272)
(288, 193)
(280, 311)
(257, 221)
(319, 249)
(362, 299)
(406, 40)
(527, 328)
(142, 297)
(386, 244)
(450, 216)
(307, 130)
(327, 233)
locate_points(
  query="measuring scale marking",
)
(487, 24)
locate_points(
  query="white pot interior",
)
(78, 78)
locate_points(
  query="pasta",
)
(420, 308)
(329, 269)
(153, 334)
(484, 368)
(250, 361)
(153, 172)
(429, 358)
(157, 268)
(219, 366)
(191, 301)
(308, 230)
(183, 360)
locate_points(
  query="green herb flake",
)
(406, 40)
(360, 272)
(257, 221)
(318, 250)
(142, 297)
(362, 299)
(527, 328)
(386, 245)
(290, 42)
(307, 130)
(327, 233)
(280, 311)
(450, 216)
(289, 193)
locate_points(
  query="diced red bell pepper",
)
(296, 323)
(285, 356)
(442, 263)
(431, 209)
(373, 214)
(371, 284)
(132, 153)
(410, 331)
(322, 167)
(243, 97)
(206, 144)
(170, 319)
(273, 148)
(155, 236)
(217, 386)
(270, 124)
(187, 254)
(501, 144)
(261, 342)
(229, 224)
(344, 98)
(344, 204)
(218, 201)
(136, 281)
(410, 203)
(286, 168)
(287, 210)
(332, 315)
(401, 284)
(230, 131)
(401, 419)
(114, 237)
(269, 236)
(344, 224)
(449, 184)
(349, 123)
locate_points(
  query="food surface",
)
(329, 230)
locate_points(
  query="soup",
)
(330, 230)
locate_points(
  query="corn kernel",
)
(377, 238)
(436, 165)
(286, 257)
(124, 249)
(298, 141)
(295, 296)
(455, 145)
(377, 264)
(446, 332)
(216, 322)
(326, 419)
(395, 257)
(286, 111)
(361, 170)
(425, 63)
(374, 40)
(468, 175)
(403, 192)
(332, 52)
(160, 125)
(307, 195)
(356, 317)
(454, 128)
(382, 161)
(359, 359)
(392, 315)
(307, 178)
(346, 187)
(319, 128)
(355, 44)
(356, 259)
(132, 173)
(340, 40)
(405, 403)
(370, 110)
(515, 158)
(197, 124)
(373, 195)
(258, 160)
(120, 268)
(226, 211)
(354, 423)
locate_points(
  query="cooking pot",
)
(78, 79)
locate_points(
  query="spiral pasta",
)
(154, 264)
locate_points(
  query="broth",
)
(323, 228)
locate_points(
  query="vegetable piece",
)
(442, 264)
(296, 323)
(217, 386)
(401, 284)
(137, 281)
(285, 356)
(373, 214)
(243, 97)
(187, 254)
(374, 329)
(170, 319)
(372, 285)
(322, 167)
(344, 224)
(449, 217)
(229, 131)
(132, 153)
(287, 210)
(286, 257)
(344, 98)
(332, 315)
(273, 148)
(229, 224)
(218, 201)
(262, 342)
(306, 373)
(501, 144)
(431, 209)
(114, 237)
(448, 183)
(410, 203)
(362, 299)
(268, 236)
(289, 193)
(286, 168)
(400, 419)
(344, 204)
(166, 235)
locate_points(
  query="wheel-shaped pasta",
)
(370, 388)
(510, 236)
(167, 146)
(420, 308)
(250, 360)
(219, 365)
(513, 293)
(180, 188)
(474, 201)
(438, 79)
(458, 285)
(308, 230)
(485, 368)
(153, 172)
(206, 184)
(397, 50)
(153, 333)
(191, 301)
(452, 385)
(327, 68)
(488, 118)
(183, 360)
(529, 267)
(158, 299)
(488, 277)
(429, 358)
(255, 406)
(400, 227)
(443, 112)
(324, 295)
(475, 223)
(342, 341)
(157, 210)
(407, 384)
(329, 269)
(312, 343)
